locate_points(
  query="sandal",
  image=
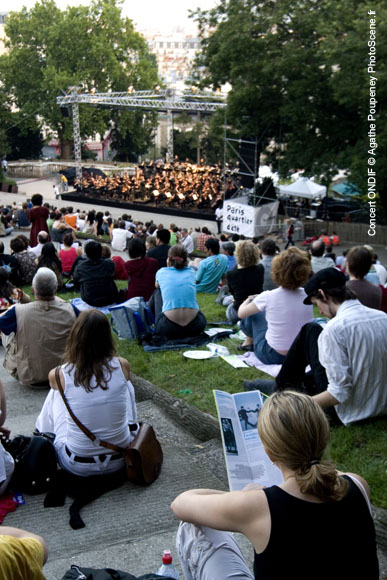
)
(246, 347)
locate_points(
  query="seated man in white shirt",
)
(42, 239)
(187, 241)
(347, 357)
(120, 236)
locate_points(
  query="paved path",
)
(29, 186)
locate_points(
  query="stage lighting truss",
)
(163, 100)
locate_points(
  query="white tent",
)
(304, 187)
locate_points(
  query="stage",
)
(192, 214)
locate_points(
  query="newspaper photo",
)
(246, 459)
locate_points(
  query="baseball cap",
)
(325, 279)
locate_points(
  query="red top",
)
(120, 271)
(142, 277)
(68, 258)
(38, 216)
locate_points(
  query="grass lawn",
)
(360, 449)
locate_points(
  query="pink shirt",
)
(285, 315)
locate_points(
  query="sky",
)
(146, 14)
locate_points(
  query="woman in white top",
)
(97, 387)
(272, 319)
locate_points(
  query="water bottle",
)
(167, 568)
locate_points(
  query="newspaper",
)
(246, 459)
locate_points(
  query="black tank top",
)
(318, 541)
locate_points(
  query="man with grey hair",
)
(187, 241)
(318, 261)
(35, 334)
(42, 239)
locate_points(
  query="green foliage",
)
(88, 154)
(132, 134)
(298, 72)
(50, 50)
(25, 143)
(362, 449)
(5, 115)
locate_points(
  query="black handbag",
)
(81, 573)
(35, 462)
(143, 457)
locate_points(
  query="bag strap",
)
(82, 427)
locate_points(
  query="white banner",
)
(240, 218)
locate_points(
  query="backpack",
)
(132, 319)
(35, 463)
(80, 573)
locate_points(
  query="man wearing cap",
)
(347, 357)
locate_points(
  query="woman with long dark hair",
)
(97, 386)
(49, 259)
(313, 525)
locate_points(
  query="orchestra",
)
(177, 184)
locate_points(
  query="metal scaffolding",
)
(163, 100)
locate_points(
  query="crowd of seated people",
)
(277, 321)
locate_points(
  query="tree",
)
(132, 134)
(299, 80)
(187, 136)
(5, 114)
(91, 47)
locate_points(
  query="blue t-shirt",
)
(210, 272)
(178, 288)
(231, 262)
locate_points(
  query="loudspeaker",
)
(249, 162)
(65, 112)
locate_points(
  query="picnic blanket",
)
(154, 344)
(80, 305)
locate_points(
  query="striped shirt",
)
(353, 350)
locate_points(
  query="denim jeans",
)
(255, 327)
(232, 314)
(207, 554)
(170, 330)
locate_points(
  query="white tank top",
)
(106, 413)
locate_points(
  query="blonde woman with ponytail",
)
(317, 525)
